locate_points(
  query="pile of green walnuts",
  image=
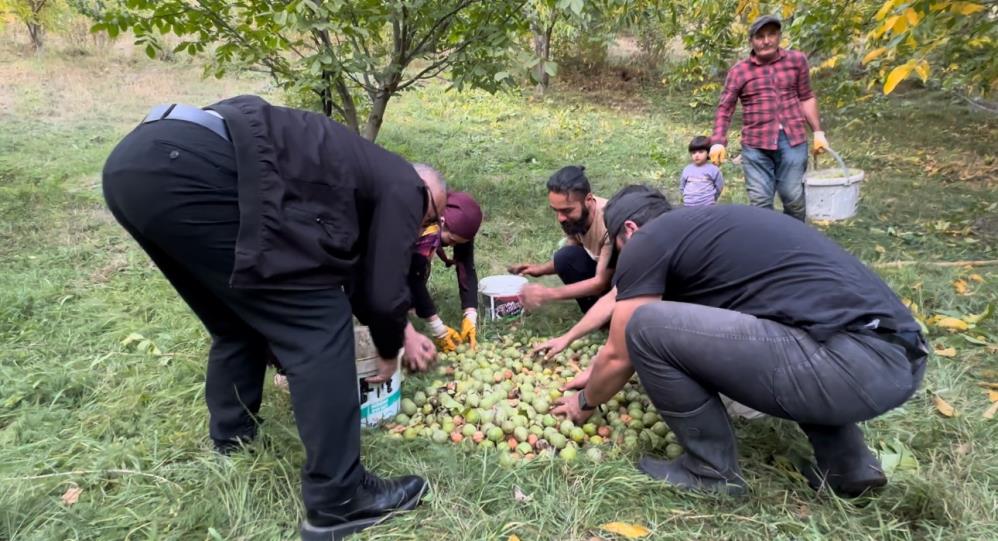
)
(499, 397)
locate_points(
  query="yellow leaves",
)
(751, 5)
(946, 352)
(993, 409)
(966, 8)
(913, 17)
(943, 407)
(787, 9)
(897, 75)
(977, 278)
(830, 63)
(979, 42)
(922, 69)
(886, 8)
(630, 531)
(513, 537)
(950, 324)
(900, 24)
(872, 55)
(939, 6)
(960, 286)
(974, 319)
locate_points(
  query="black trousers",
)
(573, 264)
(172, 185)
(685, 354)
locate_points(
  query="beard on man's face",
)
(577, 227)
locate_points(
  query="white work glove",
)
(820, 143)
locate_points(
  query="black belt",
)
(187, 113)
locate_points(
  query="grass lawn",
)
(79, 408)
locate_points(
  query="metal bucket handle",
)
(841, 162)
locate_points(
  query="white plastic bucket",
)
(503, 294)
(832, 194)
(378, 403)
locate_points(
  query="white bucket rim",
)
(834, 181)
(501, 285)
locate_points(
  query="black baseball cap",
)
(763, 21)
(636, 202)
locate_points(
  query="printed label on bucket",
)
(379, 403)
(507, 307)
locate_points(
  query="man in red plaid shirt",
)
(774, 87)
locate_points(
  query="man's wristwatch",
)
(583, 404)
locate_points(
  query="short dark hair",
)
(700, 142)
(638, 203)
(569, 180)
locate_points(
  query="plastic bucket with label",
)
(503, 295)
(378, 402)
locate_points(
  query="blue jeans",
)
(780, 170)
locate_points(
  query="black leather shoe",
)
(229, 446)
(374, 501)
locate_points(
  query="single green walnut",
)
(568, 454)
(408, 407)
(673, 450)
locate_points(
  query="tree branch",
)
(418, 49)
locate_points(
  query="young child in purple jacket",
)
(701, 182)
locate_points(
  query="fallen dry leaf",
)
(977, 278)
(960, 286)
(513, 537)
(993, 396)
(952, 324)
(943, 406)
(71, 495)
(519, 496)
(946, 352)
(990, 412)
(630, 531)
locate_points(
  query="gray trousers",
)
(686, 354)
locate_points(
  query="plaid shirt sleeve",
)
(729, 99)
(804, 91)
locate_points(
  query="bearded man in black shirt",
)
(764, 309)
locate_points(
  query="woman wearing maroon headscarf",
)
(460, 221)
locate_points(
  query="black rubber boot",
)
(711, 458)
(374, 501)
(844, 462)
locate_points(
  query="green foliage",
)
(919, 38)
(353, 57)
(36, 15)
(851, 45)
(570, 29)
